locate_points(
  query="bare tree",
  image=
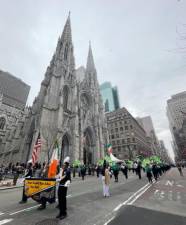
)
(49, 134)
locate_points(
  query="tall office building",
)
(176, 110)
(127, 137)
(147, 124)
(176, 113)
(15, 91)
(110, 97)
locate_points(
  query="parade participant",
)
(155, 171)
(62, 190)
(138, 170)
(149, 173)
(103, 176)
(180, 169)
(135, 167)
(83, 171)
(43, 200)
(97, 170)
(124, 169)
(16, 172)
(115, 169)
(28, 173)
(106, 183)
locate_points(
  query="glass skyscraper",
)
(110, 97)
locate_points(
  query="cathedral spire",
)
(90, 60)
(67, 34)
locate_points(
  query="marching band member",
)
(62, 190)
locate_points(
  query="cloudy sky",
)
(137, 45)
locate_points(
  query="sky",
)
(138, 46)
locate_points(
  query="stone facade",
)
(127, 137)
(13, 97)
(11, 131)
(67, 109)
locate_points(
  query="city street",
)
(132, 201)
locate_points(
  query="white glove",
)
(67, 184)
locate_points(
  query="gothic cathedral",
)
(67, 110)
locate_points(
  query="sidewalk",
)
(8, 184)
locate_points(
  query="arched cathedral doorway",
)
(88, 147)
(64, 148)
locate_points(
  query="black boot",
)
(41, 207)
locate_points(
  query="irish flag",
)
(54, 162)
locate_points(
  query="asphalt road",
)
(86, 205)
(163, 203)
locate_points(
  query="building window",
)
(123, 141)
(107, 106)
(119, 149)
(65, 98)
(66, 52)
(116, 129)
(113, 143)
(133, 139)
(125, 122)
(121, 128)
(2, 123)
(131, 127)
(126, 128)
(116, 124)
(113, 136)
(112, 131)
(117, 135)
(128, 140)
(118, 142)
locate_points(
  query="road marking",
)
(178, 196)
(162, 195)
(28, 209)
(109, 220)
(170, 195)
(5, 221)
(179, 185)
(156, 192)
(23, 210)
(130, 198)
(140, 194)
(169, 183)
(136, 193)
(118, 207)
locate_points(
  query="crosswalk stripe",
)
(5, 221)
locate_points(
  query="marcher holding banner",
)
(29, 173)
(62, 191)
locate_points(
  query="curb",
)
(6, 188)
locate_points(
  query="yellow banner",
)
(36, 185)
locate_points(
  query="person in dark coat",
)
(97, 170)
(155, 171)
(138, 170)
(124, 169)
(149, 173)
(62, 190)
(83, 171)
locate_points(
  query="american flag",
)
(36, 150)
